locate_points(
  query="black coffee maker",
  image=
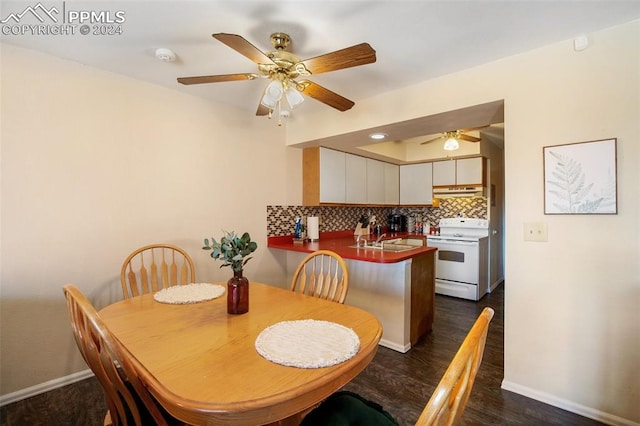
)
(397, 223)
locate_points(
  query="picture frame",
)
(581, 178)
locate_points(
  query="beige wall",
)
(95, 165)
(572, 323)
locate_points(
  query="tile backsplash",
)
(281, 219)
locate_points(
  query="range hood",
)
(458, 191)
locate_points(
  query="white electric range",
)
(462, 257)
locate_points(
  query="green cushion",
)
(348, 409)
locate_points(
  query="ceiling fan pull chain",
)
(279, 114)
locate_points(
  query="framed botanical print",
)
(580, 178)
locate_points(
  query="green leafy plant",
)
(232, 249)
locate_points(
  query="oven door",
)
(456, 260)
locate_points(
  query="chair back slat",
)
(144, 276)
(154, 277)
(184, 274)
(164, 267)
(334, 288)
(133, 283)
(450, 397)
(302, 281)
(174, 273)
(322, 274)
(163, 259)
(128, 401)
(154, 272)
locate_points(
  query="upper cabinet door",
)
(356, 179)
(391, 184)
(332, 176)
(470, 171)
(444, 173)
(375, 181)
(416, 183)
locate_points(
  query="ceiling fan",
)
(283, 68)
(451, 138)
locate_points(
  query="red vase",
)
(237, 294)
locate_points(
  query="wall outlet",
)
(535, 231)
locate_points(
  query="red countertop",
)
(340, 242)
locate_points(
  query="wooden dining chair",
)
(322, 274)
(446, 405)
(450, 397)
(128, 400)
(154, 267)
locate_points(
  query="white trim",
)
(395, 346)
(565, 404)
(44, 387)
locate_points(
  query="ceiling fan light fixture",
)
(294, 98)
(451, 144)
(272, 94)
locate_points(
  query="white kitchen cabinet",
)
(470, 171)
(332, 176)
(391, 184)
(444, 173)
(462, 171)
(416, 184)
(335, 177)
(383, 183)
(376, 181)
(355, 179)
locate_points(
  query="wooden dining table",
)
(202, 366)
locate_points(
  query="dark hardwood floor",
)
(401, 383)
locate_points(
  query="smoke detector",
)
(165, 55)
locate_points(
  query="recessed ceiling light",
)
(377, 136)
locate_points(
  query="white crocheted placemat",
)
(307, 343)
(190, 293)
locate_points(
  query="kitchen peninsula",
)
(398, 287)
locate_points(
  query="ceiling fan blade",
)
(242, 46)
(324, 95)
(360, 54)
(472, 128)
(216, 78)
(468, 138)
(432, 140)
(262, 110)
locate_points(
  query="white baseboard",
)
(495, 284)
(44, 387)
(395, 346)
(567, 405)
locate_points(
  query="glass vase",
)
(237, 294)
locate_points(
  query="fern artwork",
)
(580, 178)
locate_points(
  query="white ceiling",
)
(414, 41)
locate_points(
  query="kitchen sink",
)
(393, 244)
(415, 242)
(392, 247)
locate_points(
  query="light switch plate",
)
(535, 231)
